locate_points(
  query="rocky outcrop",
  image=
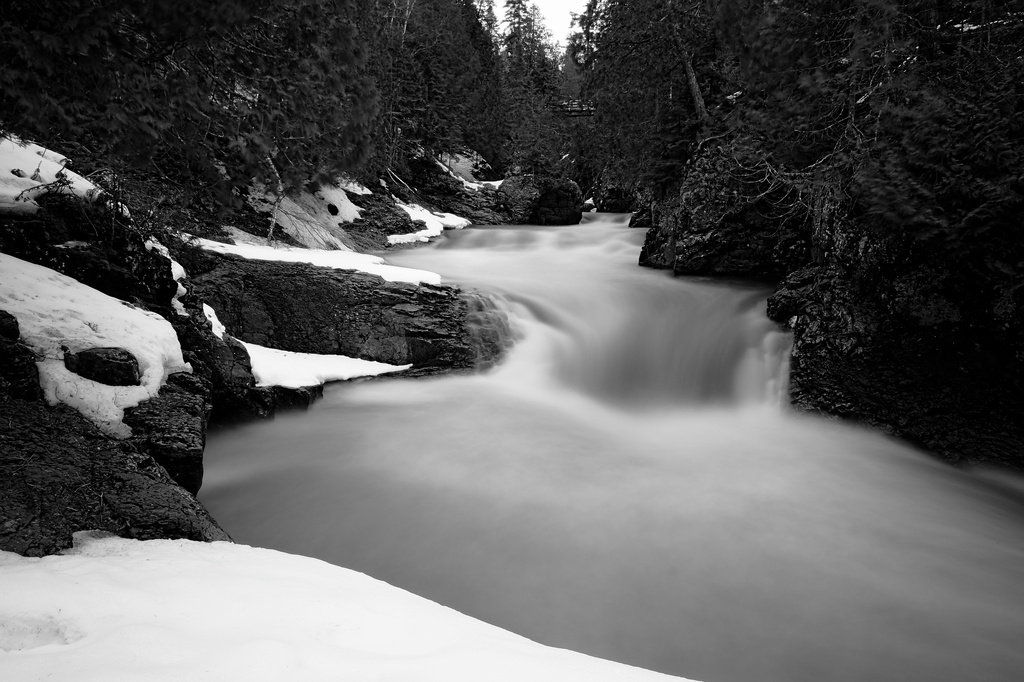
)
(883, 336)
(712, 227)
(303, 308)
(171, 428)
(535, 200)
(51, 487)
(885, 331)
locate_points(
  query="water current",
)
(629, 483)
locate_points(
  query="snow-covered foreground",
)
(116, 609)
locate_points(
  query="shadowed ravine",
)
(627, 485)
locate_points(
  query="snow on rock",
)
(339, 260)
(315, 220)
(28, 171)
(56, 313)
(177, 272)
(436, 224)
(173, 610)
(217, 327)
(273, 367)
(353, 187)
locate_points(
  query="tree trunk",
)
(691, 80)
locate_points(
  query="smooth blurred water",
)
(628, 485)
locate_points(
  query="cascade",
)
(629, 483)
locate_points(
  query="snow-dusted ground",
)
(340, 260)
(174, 610)
(56, 312)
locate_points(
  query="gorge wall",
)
(887, 330)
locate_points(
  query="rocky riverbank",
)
(136, 475)
(886, 330)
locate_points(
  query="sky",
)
(556, 14)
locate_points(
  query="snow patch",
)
(339, 260)
(436, 224)
(56, 313)
(172, 610)
(273, 367)
(28, 171)
(313, 219)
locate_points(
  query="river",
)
(630, 484)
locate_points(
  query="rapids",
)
(629, 483)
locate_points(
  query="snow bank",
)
(436, 224)
(55, 311)
(173, 610)
(28, 171)
(339, 260)
(273, 367)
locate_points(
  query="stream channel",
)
(629, 483)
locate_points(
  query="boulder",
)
(539, 200)
(110, 366)
(309, 309)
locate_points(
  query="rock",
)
(59, 475)
(224, 368)
(110, 366)
(536, 200)
(19, 376)
(617, 200)
(171, 428)
(9, 329)
(303, 308)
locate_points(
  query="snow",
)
(27, 171)
(436, 224)
(339, 260)
(173, 610)
(315, 220)
(353, 187)
(273, 367)
(55, 311)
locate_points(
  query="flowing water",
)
(627, 484)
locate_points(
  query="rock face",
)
(533, 200)
(298, 307)
(171, 428)
(885, 332)
(51, 487)
(110, 366)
